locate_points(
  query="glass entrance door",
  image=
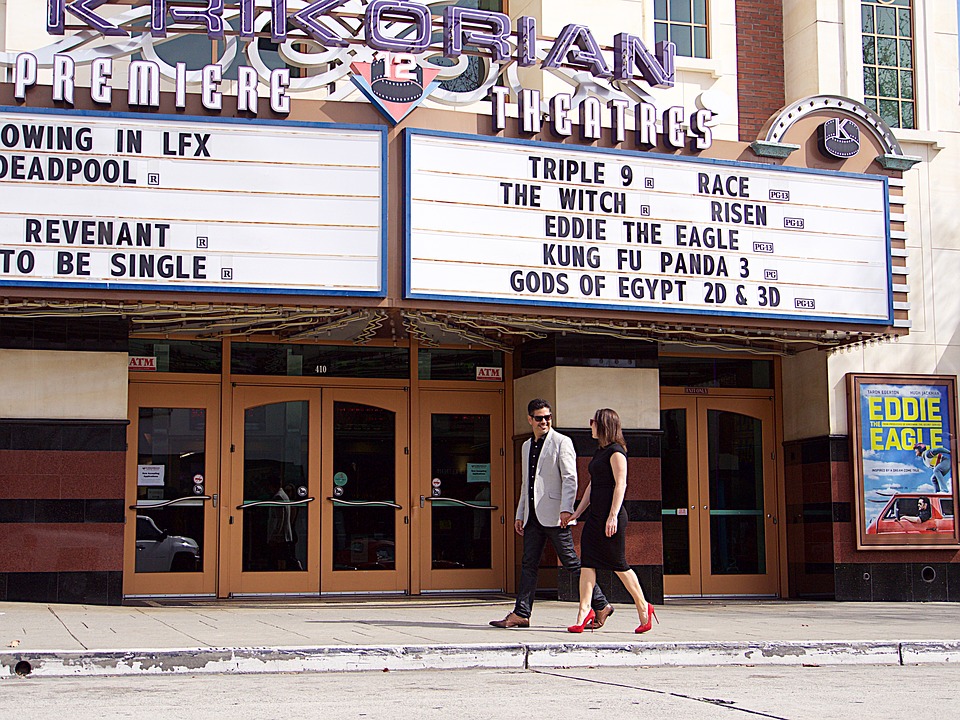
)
(719, 496)
(173, 490)
(272, 510)
(365, 492)
(459, 491)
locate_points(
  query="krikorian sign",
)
(489, 32)
(411, 48)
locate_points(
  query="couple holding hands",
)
(546, 510)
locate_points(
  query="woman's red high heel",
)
(651, 616)
(579, 628)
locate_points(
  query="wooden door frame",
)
(306, 582)
(761, 409)
(173, 394)
(733, 400)
(367, 581)
(438, 400)
(687, 585)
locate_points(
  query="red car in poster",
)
(915, 513)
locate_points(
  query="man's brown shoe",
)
(511, 621)
(602, 616)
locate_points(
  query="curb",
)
(263, 660)
(934, 651)
(714, 653)
(463, 657)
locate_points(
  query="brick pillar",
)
(760, 91)
(642, 503)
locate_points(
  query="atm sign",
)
(143, 364)
(494, 374)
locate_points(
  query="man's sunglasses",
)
(542, 418)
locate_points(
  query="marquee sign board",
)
(170, 203)
(512, 221)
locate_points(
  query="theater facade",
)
(279, 280)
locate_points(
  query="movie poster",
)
(904, 459)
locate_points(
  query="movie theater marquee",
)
(512, 221)
(128, 202)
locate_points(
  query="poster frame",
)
(898, 541)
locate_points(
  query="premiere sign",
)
(125, 202)
(512, 221)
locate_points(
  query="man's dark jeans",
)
(535, 536)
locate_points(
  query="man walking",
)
(546, 504)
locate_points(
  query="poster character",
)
(924, 513)
(938, 459)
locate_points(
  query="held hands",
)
(565, 519)
(611, 528)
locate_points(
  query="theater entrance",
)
(173, 489)
(459, 494)
(283, 489)
(719, 505)
(319, 491)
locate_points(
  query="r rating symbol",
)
(644, 211)
(153, 178)
(202, 243)
(226, 273)
(648, 183)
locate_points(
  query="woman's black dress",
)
(596, 549)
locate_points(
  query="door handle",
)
(422, 498)
(365, 503)
(275, 503)
(155, 504)
(473, 506)
(215, 498)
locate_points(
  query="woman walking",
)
(603, 543)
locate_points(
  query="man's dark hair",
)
(537, 404)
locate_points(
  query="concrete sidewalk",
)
(447, 632)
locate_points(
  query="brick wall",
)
(61, 511)
(760, 91)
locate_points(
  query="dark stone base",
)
(898, 582)
(650, 576)
(85, 588)
(811, 581)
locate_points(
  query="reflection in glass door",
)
(172, 489)
(678, 454)
(272, 518)
(276, 452)
(461, 491)
(735, 477)
(718, 492)
(365, 492)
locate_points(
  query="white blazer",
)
(555, 484)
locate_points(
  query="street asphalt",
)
(292, 635)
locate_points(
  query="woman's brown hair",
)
(607, 423)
